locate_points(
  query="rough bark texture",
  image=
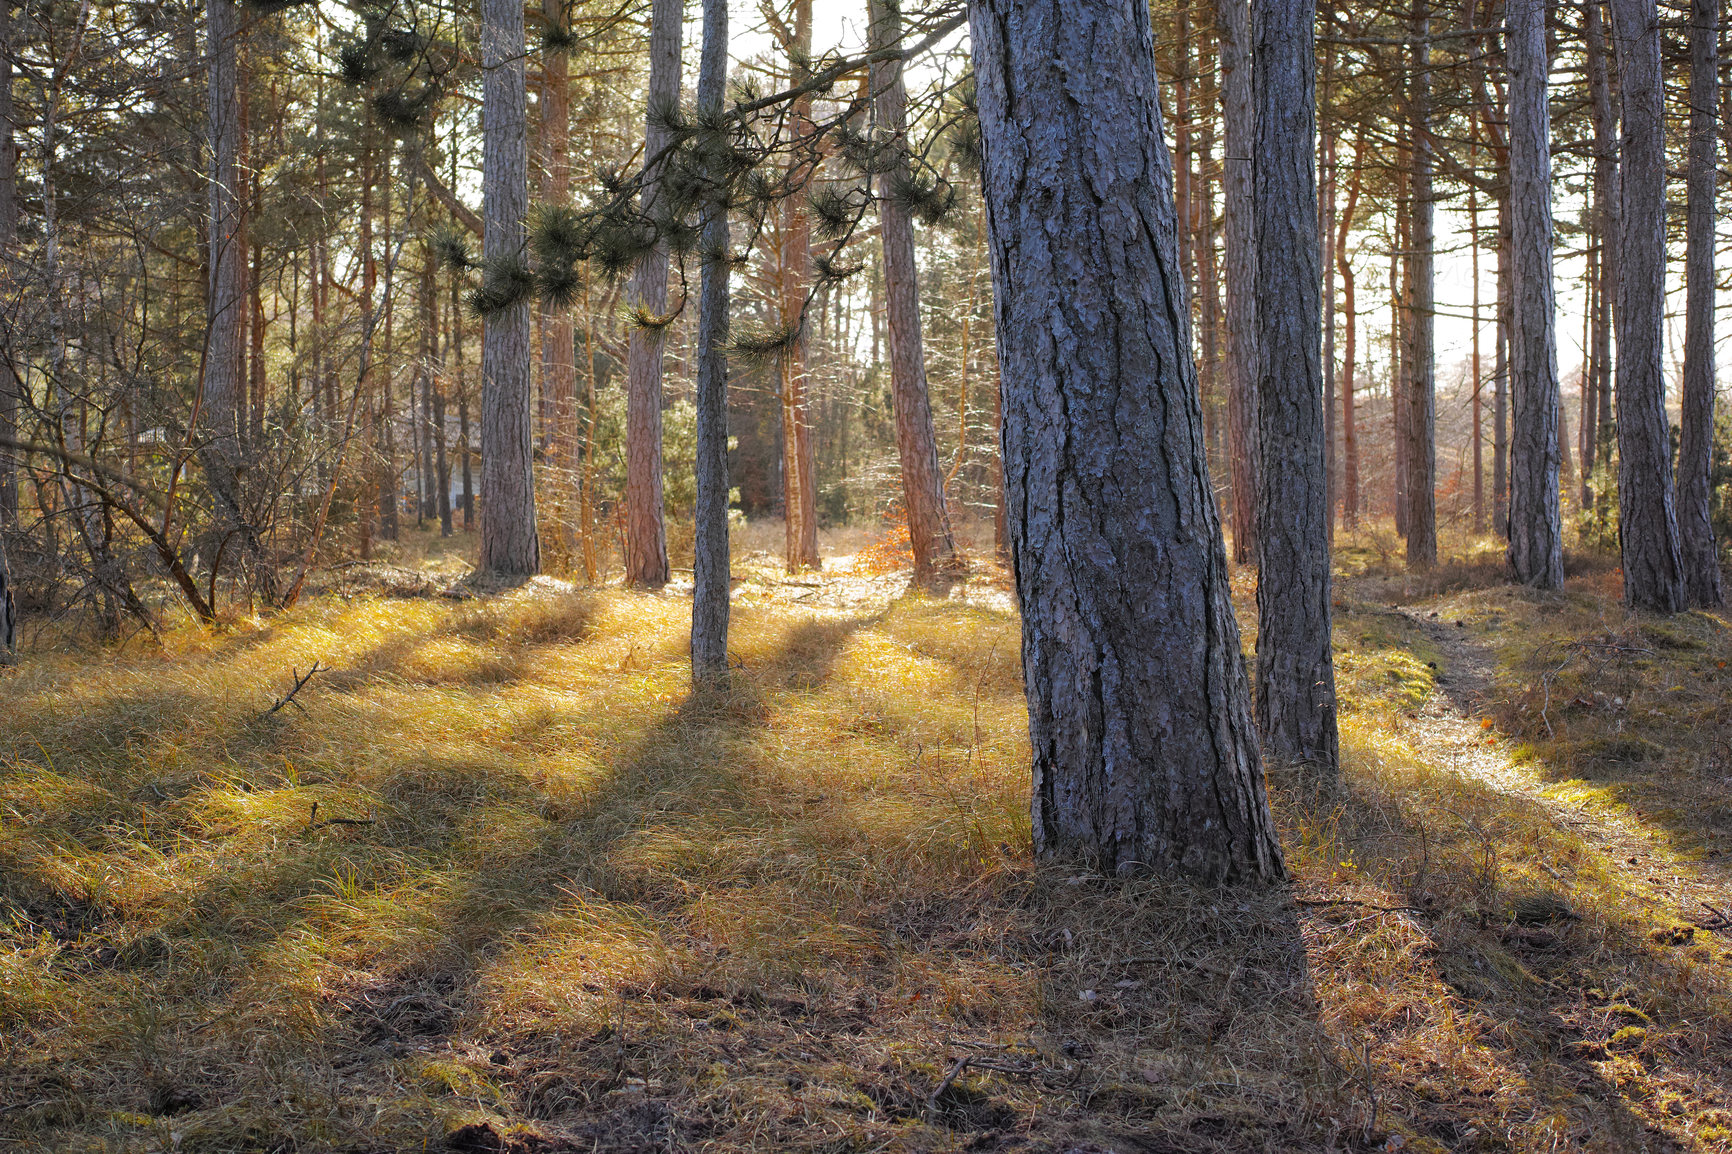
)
(710, 548)
(509, 544)
(1239, 265)
(935, 559)
(1295, 670)
(1422, 320)
(558, 346)
(646, 537)
(1500, 374)
(1536, 548)
(1695, 458)
(1647, 523)
(1144, 751)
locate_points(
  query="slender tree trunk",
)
(1400, 344)
(1536, 552)
(1588, 434)
(1422, 379)
(1350, 347)
(1238, 111)
(1144, 752)
(646, 538)
(1500, 370)
(1647, 521)
(509, 544)
(1474, 359)
(800, 464)
(558, 332)
(223, 397)
(10, 386)
(1696, 456)
(710, 569)
(1295, 669)
(464, 444)
(935, 561)
(1608, 228)
(1325, 253)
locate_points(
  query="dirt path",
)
(1635, 854)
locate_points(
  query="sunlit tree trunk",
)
(646, 538)
(935, 561)
(710, 569)
(799, 460)
(1696, 457)
(1647, 521)
(1145, 756)
(1609, 231)
(558, 333)
(510, 546)
(1536, 552)
(1239, 264)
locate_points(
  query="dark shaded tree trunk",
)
(710, 569)
(935, 561)
(1647, 521)
(1239, 266)
(1696, 455)
(510, 546)
(646, 536)
(1144, 752)
(1421, 315)
(1295, 669)
(1536, 550)
(9, 384)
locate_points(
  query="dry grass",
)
(591, 915)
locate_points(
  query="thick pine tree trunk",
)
(1295, 669)
(935, 561)
(646, 537)
(1647, 522)
(1239, 264)
(710, 570)
(509, 544)
(1695, 459)
(1536, 550)
(1144, 751)
(1422, 375)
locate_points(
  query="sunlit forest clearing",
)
(493, 881)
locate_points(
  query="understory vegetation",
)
(490, 880)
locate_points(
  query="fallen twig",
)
(300, 683)
(313, 821)
(1363, 905)
(949, 1080)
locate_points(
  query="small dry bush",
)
(496, 882)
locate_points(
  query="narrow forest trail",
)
(1452, 727)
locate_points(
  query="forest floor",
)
(489, 882)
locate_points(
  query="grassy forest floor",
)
(491, 884)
